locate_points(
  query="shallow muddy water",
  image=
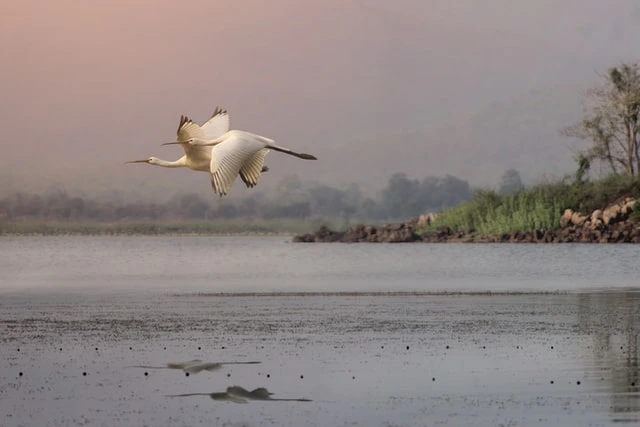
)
(564, 352)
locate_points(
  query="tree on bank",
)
(510, 183)
(612, 121)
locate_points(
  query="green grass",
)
(538, 208)
(489, 213)
(597, 194)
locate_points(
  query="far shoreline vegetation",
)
(487, 212)
(293, 208)
(218, 227)
(611, 128)
(574, 209)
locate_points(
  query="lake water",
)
(556, 343)
(273, 264)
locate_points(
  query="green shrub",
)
(537, 208)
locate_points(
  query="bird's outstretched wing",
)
(187, 128)
(217, 125)
(250, 172)
(229, 156)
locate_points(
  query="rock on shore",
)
(614, 224)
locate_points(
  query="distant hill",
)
(522, 133)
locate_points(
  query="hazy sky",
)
(88, 85)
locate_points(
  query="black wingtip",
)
(183, 119)
(218, 112)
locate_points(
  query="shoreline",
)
(407, 232)
(616, 223)
(142, 234)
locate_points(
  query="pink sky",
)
(87, 85)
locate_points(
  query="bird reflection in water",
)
(195, 366)
(239, 394)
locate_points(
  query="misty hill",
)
(522, 133)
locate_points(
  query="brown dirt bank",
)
(627, 231)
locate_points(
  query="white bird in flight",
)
(198, 157)
(234, 152)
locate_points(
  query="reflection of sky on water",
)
(614, 349)
(109, 303)
(255, 264)
(411, 359)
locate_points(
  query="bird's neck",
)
(167, 164)
(199, 142)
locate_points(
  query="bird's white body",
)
(199, 158)
(238, 152)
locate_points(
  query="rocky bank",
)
(614, 224)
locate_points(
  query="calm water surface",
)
(76, 312)
(266, 264)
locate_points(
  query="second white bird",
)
(234, 151)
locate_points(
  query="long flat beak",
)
(170, 143)
(137, 161)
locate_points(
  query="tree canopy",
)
(611, 122)
(510, 183)
(402, 198)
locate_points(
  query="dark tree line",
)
(401, 198)
(404, 197)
